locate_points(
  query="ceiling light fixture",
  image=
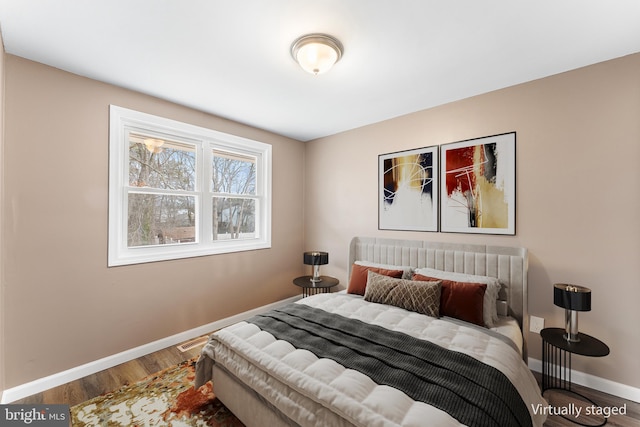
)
(316, 53)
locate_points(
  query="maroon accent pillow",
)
(358, 279)
(460, 300)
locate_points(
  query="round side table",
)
(556, 361)
(312, 288)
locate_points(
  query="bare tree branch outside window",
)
(234, 204)
(156, 214)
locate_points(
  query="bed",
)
(371, 357)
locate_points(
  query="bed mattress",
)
(319, 391)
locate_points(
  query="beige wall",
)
(66, 308)
(578, 193)
(2, 309)
(578, 189)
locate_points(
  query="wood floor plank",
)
(111, 379)
(563, 399)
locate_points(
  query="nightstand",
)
(556, 361)
(312, 288)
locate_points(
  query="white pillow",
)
(489, 306)
(407, 271)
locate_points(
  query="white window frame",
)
(121, 122)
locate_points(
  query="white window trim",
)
(122, 119)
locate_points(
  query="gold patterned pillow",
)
(421, 297)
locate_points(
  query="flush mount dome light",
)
(316, 53)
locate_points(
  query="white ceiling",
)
(231, 57)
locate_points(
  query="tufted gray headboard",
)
(508, 264)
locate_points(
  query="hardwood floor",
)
(607, 402)
(111, 379)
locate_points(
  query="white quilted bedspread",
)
(320, 392)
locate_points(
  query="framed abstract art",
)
(478, 185)
(408, 190)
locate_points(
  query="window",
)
(178, 190)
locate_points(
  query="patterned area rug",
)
(166, 398)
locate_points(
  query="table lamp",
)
(316, 259)
(573, 299)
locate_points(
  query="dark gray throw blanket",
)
(473, 393)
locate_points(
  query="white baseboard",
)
(42, 384)
(601, 384)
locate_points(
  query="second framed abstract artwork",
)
(478, 185)
(408, 190)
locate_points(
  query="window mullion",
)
(206, 208)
